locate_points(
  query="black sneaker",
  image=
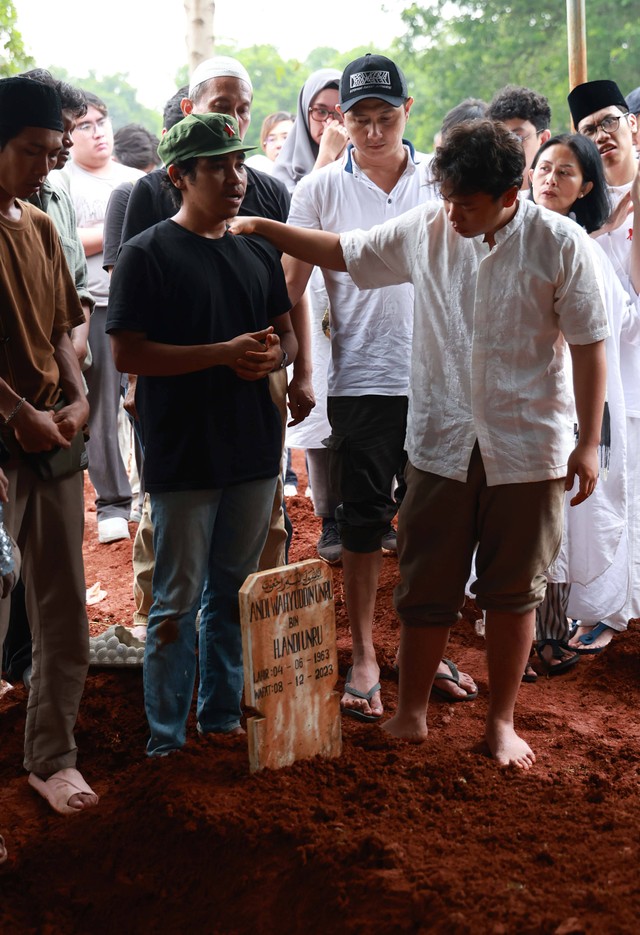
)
(390, 542)
(329, 546)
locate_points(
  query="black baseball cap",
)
(372, 76)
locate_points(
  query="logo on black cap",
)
(370, 79)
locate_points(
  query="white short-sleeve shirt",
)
(489, 335)
(90, 194)
(370, 330)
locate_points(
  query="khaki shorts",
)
(517, 529)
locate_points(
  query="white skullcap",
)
(220, 66)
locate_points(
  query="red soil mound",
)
(389, 838)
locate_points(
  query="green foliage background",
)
(13, 56)
(119, 96)
(471, 49)
(448, 50)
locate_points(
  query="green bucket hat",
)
(201, 135)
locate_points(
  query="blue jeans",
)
(209, 539)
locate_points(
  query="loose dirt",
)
(389, 838)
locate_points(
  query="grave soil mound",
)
(389, 838)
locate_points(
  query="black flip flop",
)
(558, 651)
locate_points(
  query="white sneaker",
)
(110, 530)
(290, 490)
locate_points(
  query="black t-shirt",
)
(113, 221)
(211, 428)
(151, 202)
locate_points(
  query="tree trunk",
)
(199, 36)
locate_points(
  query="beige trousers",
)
(46, 518)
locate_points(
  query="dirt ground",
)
(389, 838)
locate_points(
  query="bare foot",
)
(507, 748)
(363, 679)
(412, 729)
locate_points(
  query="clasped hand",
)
(253, 356)
(37, 430)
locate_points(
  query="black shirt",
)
(211, 428)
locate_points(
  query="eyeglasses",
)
(523, 139)
(320, 114)
(88, 126)
(609, 124)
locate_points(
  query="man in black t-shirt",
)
(221, 85)
(202, 318)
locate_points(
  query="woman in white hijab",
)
(317, 139)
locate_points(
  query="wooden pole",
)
(577, 40)
(199, 38)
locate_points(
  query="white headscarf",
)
(300, 151)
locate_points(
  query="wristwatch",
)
(284, 361)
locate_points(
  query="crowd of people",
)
(455, 336)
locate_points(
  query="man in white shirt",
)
(599, 111)
(500, 286)
(379, 177)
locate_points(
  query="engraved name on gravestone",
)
(290, 664)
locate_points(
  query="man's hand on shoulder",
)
(242, 225)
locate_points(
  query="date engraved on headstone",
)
(290, 664)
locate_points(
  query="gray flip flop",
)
(353, 712)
